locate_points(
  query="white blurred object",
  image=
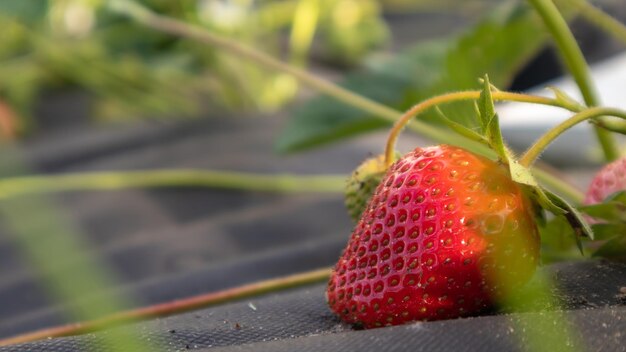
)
(522, 124)
(227, 15)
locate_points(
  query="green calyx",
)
(519, 169)
(363, 182)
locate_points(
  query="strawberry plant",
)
(441, 232)
(134, 72)
(448, 233)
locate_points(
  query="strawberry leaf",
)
(573, 216)
(613, 209)
(461, 129)
(324, 119)
(559, 207)
(613, 249)
(546, 202)
(523, 175)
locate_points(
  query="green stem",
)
(23, 185)
(555, 184)
(540, 145)
(575, 62)
(617, 126)
(461, 96)
(601, 19)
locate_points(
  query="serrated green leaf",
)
(460, 129)
(498, 45)
(613, 249)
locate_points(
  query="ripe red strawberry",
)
(444, 235)
(610, 179)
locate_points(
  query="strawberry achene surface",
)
(444, 234)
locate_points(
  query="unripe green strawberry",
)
(362, 183)
(445, 234)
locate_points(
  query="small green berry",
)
(362, 184)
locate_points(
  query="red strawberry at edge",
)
(444, 234)
(610, 179)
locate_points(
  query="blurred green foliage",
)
(133, 71)
(499, 45)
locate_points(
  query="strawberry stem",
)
(575, 62)
(22, 185)
(600, 19)
(540, 145)
(461, 96)
(174, 307)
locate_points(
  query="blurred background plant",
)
(129, 71)
(132, 71)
